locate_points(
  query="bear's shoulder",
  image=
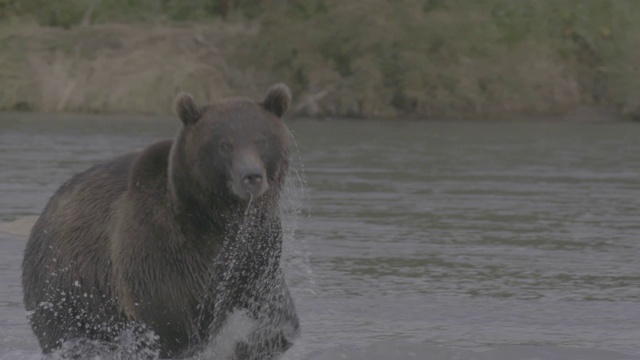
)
(149, 169)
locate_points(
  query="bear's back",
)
(76, 216)
(73, 236)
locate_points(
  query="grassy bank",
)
(410, 58)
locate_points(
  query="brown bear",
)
(172, 238)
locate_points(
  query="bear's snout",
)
(249, 179)
(252, 183)
(252, 178)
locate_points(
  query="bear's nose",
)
(252, 178)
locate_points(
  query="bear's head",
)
(234, 151)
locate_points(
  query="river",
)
(426, 240)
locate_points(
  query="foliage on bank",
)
(374, 58)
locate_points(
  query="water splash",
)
(132, 344)
(296, 254)
(246, 211)
(241, 327)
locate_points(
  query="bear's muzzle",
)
(249, 178)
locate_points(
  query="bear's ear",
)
(187, 109)
(278, 99)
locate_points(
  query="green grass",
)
(374, 58)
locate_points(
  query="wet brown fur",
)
(152, 239)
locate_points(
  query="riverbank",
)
(374, 60)
(112, 68)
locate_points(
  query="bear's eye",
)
(226, 146)
(261, 143)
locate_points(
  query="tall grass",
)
(110, 68)
(418, 58)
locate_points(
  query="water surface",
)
(443, 240)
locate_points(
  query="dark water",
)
(413, 240)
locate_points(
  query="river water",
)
(409, 240)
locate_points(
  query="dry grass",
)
(457, 59)
(113, 68)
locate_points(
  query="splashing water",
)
(240, 326)
(296, 253)
(131, 344)
(246, 211)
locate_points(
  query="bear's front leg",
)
(266, 349)
(277, 323)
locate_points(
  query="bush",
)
(443, 59)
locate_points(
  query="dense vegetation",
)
(381, 58)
